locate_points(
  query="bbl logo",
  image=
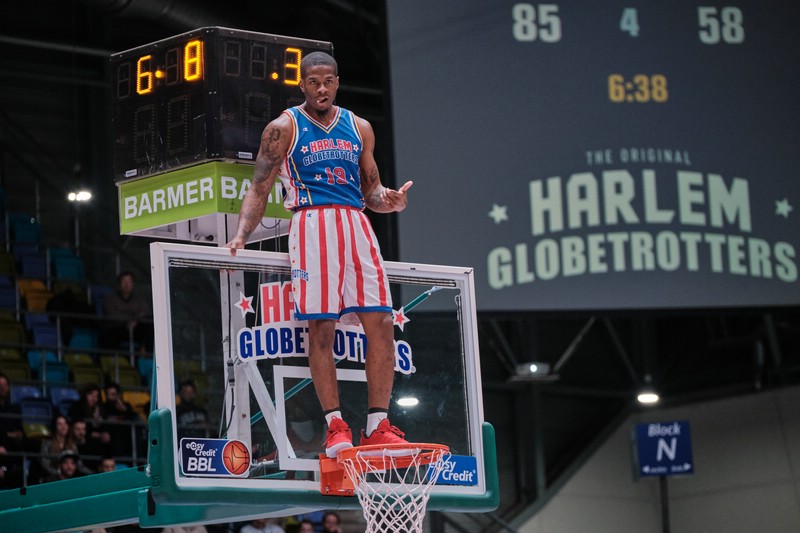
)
(214, 457)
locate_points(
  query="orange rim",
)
(425, 453)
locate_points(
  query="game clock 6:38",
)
(639, 88)
(202, 95)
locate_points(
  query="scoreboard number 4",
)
(629, 22)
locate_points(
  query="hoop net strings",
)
(394, 496)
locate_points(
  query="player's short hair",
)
(318, 58)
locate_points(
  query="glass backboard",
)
(225, 323)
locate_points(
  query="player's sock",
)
(374, 417)
(333, 413)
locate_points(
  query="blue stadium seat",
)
(35, 358)
(69, 268)
(26, 231)
(83, 339)
(56, 372)
(145, 367)
(98, 293)
(45, 335)
(36, 319)
(19, 392)
(20, 249)
(59, 251)
(62, 397)
(8, 297)
(34, 265)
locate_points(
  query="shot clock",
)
(203, 95)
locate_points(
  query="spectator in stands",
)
(62, 440)
(10, 437)
(91, 450)
(192, 419)
(315, 517)
(331, 523)
(263, 525)
(10, 416)
(120, 421)
(67, 302)
(89, 410)
(107, 464)
(67, 466)
(306, 526)
(132, 314)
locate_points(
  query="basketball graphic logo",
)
(236, 457)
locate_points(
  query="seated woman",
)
(51, 448)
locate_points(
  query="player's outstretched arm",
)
(377, 197)
(271, 153)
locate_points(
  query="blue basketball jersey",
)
(321, 166)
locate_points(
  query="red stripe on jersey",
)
(356, 264)
(322, 268)
(373, 252)
(340, 240)
(302, 238)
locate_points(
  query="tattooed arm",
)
(271, 153)
(377, 197)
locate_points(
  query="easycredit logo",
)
(459, 470)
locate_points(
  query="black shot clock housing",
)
(204, 95)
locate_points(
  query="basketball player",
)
(323, 155)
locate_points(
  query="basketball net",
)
(393, 483)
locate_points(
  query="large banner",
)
(594, 155)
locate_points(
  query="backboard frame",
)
(479, 497)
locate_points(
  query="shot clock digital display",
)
(586, 155)
(203, 95)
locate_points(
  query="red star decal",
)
(245, 304)
(399, 318)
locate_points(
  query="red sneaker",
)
(386, 433)
(339, 437)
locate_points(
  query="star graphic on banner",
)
(318, 177)
(304, 149)
(355, 147)
(245, 304)
(498, 213)
(783, 208)
(304, 200)
(399, 318)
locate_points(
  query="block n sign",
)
(663, 449)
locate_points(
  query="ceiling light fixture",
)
(533, 371)
(648, 397)
(407, 401)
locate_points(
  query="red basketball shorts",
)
(336, 263)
